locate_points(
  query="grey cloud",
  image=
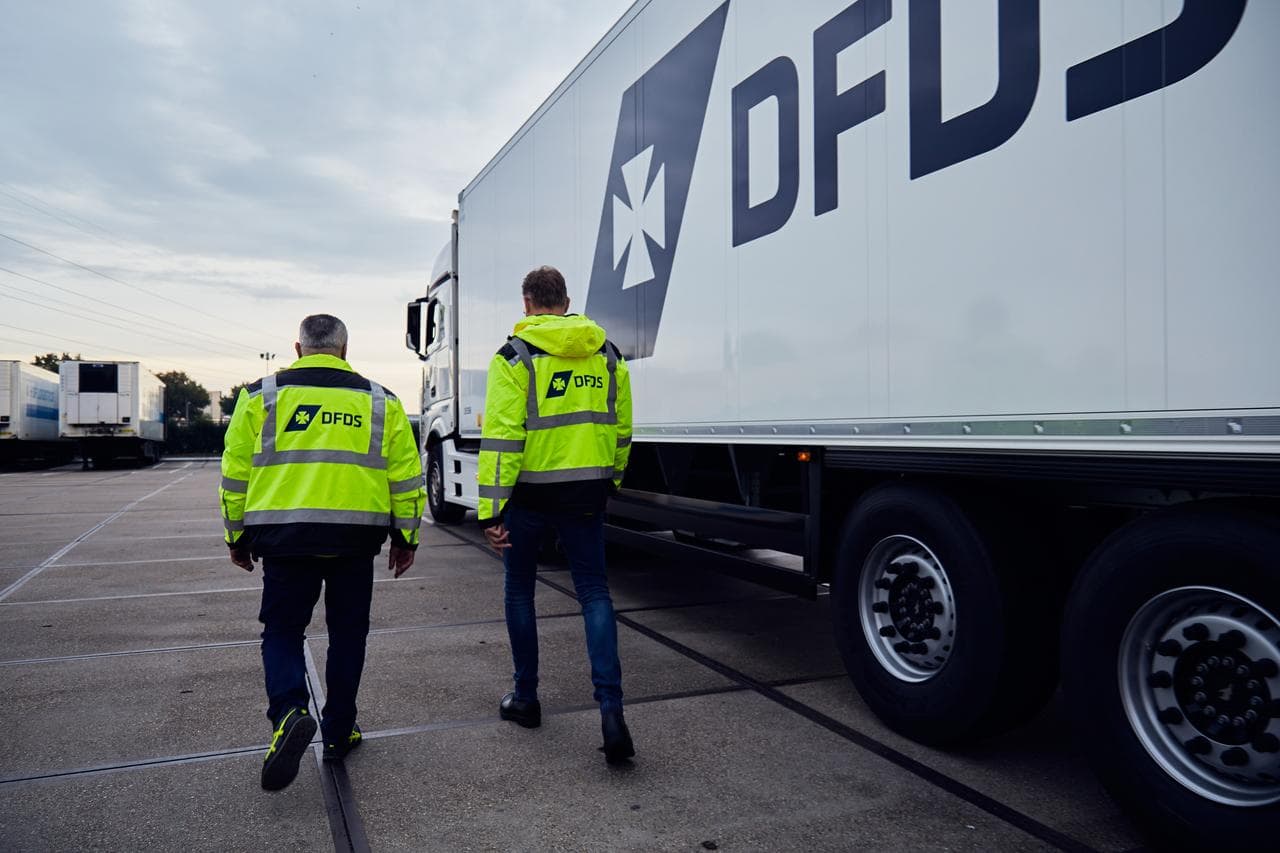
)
(293, 148)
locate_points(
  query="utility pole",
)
(268, 357)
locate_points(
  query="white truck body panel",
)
(1105, 282)
(28, 402)
(112, 398)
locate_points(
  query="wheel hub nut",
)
(1235, 757)
(1201, 684)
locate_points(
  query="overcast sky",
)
(192, 178)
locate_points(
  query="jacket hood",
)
(571, 335)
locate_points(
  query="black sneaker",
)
(617, 739)
(527, 713)
(339, 751)
(288, 743)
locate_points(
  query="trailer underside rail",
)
(765, 574)
(1257, 475)
(754, 526)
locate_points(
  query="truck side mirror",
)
(414, 337)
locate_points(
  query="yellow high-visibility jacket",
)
(557, 410)
(320, 460)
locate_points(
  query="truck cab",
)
(432, 333)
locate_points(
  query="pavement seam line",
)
(65, 549)
(477, 722)
(919, 769)
(129, 652)
(992, 806)
(141, 764)
(221, 555)
(335, 785)
(137, 595)
(445, 725)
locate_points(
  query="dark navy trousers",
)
(290, 589)
(583, 539)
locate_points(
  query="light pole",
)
(267, 357)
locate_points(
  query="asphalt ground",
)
(132, 708)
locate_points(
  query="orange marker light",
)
(803, 456)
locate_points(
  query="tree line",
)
(182, 394)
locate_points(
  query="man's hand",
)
(399, 559)
(241, 557)
(497, 536)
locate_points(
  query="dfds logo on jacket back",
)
(561, 381)
(648, 186)
(304, 416)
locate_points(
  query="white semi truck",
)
(111, 409)
(973, 307)
(28, 412)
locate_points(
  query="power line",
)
(104, 322)
(120, 281)
(38, 346)
(104, 235)
(149, 328)
(133, 355)
(109, 235)
(45, 203)
(165, 323)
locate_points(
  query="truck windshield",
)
(98, 378)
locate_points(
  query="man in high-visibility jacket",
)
(320, 466)
(555, 441)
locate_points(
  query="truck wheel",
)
(1171, 666)
(441, 510)
(938, 644)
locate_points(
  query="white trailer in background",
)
(112, 409)
(972, 306)
(29, 413)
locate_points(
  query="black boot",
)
(524, 713)
(617, 739)
(288, 744)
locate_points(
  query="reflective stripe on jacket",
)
(557, 410)
(317, 443)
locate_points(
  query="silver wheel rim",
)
(435, 484)
(1199, 673)
(907, 608)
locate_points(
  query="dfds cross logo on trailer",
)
(659, 125)
(662, 114)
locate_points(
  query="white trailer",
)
(29, 413)
(112, 409)
(972, 308)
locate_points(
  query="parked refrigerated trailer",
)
(112, 409)
(975, 311)
(29, 414)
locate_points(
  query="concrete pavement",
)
(132, 708)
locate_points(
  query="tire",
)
(986, 661)
(1151, 583)
(441, 510)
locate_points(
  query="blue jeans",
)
(290, 590)
(583, 539)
